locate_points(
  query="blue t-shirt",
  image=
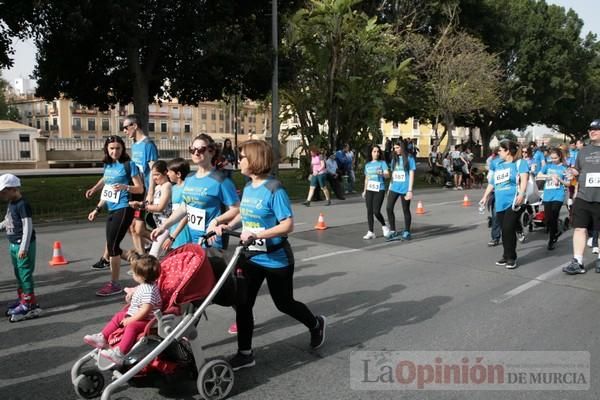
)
(371, 172)
(504, 178)
(572, 157)
(115, 173)
(184, 236)
(204, 199)
(538, 158)
(554, 192)
(142, 153)
(262, 208)
(15, 214)
(400, 177)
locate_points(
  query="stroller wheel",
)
(89, 384)
(215, 380)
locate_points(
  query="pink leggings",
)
(130, 332)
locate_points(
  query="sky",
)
(588, 11)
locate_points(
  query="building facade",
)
(64, 118)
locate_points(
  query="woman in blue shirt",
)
(403, 177)
(121, 179)
(376, 170)
(554, 174)
(266, 217)
(509, 183)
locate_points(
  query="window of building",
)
(203, 114)
(38, 124)
(24, 138)
(77, 124)
(175, 112)
(163, 126)
(213, 115)
(221, 116)
(77, 137)
(187, 128)
(91, 136)
(25, 153)
(187, 112)
(151, 126)
(46, 109)
(47, 125)
(415, 123)
(152, 108)
(54, 121)
(91, 125)
(175, 126)
(105, 125)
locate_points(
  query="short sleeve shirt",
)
(372, 172)
(504, 178)
(115, 173)
(554, 191)
(145, 293)
(588, 165)
(15, 214)
(142, 153)
(400, 177)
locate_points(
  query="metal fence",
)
(15, 150)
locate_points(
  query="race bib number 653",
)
(373, 186)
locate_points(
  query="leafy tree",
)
(7, 111)
(107, 52)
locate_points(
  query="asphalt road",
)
(439, 292)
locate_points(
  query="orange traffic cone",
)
(321, 223)
(420, 209)
(57, 257)
(466, 201)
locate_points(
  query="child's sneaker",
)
(12, 306)
(113, 355)
(110, 289)
(24, 311)
(96, 340)
(232, 329)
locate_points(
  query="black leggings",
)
(374, 201)
(117, 225)
(281, 287)
(551, 213)
(509, 221)
(391, 202)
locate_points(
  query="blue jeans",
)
(496, 227)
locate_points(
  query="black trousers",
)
(374, 202)
(117, 225)
(509, 221)
(281, 287)
(551, 213)
(391, 202)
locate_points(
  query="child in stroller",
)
(143, 301)
(169, 345)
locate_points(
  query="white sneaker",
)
(369, 235)
(386, 231)
(589, 242)
(113, 355)
(595, 250)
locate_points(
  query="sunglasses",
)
(201, 150)
(125, 127)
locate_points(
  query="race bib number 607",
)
(196, 218)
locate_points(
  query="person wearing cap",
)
(586, 206)
(18, 224)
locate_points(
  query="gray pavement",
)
(441, 291)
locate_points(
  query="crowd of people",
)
(164, 206)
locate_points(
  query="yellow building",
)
(64, 118)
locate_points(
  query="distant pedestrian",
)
(403, 177)
(318, 175)
(18, 224)
(376, 171)
(334, 178)
(349, 168)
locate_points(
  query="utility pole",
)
(235, 129)
(275, 89)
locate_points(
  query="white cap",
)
(9, 180)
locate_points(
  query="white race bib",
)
(196, 218)
(259, 244)
(110, 194)
(592, 179)
(399, 176)
(501, 176)
(550, 184)
(373, 186)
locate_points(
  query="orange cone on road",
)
(321, 223)
(57, 257)
(466, 201)
(420, 209)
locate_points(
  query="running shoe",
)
(386, 231)
(369, 235)
(595, 250)
(574, 268)
(328, 203)
(406, 235)
(240, 361)
(12, 306)
(551, 244)
(393, 236)
(589, 242)
(96, 340)
(501, 262)
(101, 264)
(511, 264)
(110, 289)
(307, 204)
(317, 335)
(493, 242)
(113, 355)
(597, 266)
(232, 329)
(521, 236)
(25, 311)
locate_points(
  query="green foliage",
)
(7, 111)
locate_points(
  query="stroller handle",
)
(208, 235)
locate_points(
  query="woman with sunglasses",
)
(266, 217)
(205, 194)
(509, 183)
(376, 170)
(121, 179)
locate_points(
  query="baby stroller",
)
(188, 284)
(533, 216)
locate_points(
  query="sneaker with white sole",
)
(110, 289)
(24, 311)
(240, 361)
(113, 355)
(386, 231)
(595, 250)
(574, 268)
(317, 335)
(501, 262)
(511, 264)
(96, 340)
(369, 235)
(521, 236)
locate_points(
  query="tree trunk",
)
(486, 135)
(140, 87)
